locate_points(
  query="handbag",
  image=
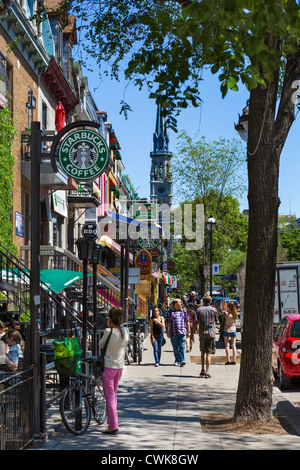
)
(103, 351)
(163, 341)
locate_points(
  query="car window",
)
(280, 328)
(295, 329)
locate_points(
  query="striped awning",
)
(167, 279)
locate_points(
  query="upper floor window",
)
(44, 115)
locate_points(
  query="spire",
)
(160, 136)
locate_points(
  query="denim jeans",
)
(178, 343)
(157, 348)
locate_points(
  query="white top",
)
(115, 352)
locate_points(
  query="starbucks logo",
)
(83, 155)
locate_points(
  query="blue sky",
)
(214, 119)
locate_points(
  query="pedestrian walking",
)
(166, 303)
(207, 318)
(229, 331)
(157, 325)
(192, 318)
(177, 328)
(113, 364)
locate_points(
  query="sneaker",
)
(156, 365)
(176, 364)
(183, 363)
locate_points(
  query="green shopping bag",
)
(65, 347)
(67, 356)
(69, 365)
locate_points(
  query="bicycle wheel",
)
(75, 410)
(98, 402)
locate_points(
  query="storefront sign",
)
(83, 154)
(144, 262)
(60, 205)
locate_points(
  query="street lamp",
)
(210, 225)
(95, 260)
(85, 250)
(242, 125)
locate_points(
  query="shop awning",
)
(59, 279)
(130, 220)
(114, 246)
(167, 279)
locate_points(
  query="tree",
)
(167, 45)
(291, 242)
(230, 234)
(198, 167)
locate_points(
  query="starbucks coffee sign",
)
(83, 154)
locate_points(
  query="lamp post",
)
(95, 260)
(210, 225)
(85, 249)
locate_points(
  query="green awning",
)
(59, 279)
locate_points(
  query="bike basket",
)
(65, 347)
(69, 365)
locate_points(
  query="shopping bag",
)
(69, 365)
(67, 356)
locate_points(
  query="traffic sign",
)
(215, 268)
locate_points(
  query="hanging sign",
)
(83, 154)
(90, 230)
(144, 262)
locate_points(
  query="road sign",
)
(134, 275)
(83, 154)
(90, 230)
(215, 268)
(206, 270)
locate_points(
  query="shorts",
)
(208, 345)
(229, 335)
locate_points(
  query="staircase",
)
(58, 318)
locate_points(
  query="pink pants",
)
(111, 378)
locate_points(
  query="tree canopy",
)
(165, 47)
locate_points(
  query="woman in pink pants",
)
(113, 365)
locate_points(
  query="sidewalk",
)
(160, 408)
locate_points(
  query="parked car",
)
(218, 300)
(286, 350)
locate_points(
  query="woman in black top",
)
(157, 324)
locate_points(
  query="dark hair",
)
(207, 300)
(154, 308)
(14, 335)
(116, 316)
(13, 323)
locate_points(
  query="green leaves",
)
(164, 47)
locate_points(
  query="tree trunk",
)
(254, 396)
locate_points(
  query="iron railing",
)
(16, 402)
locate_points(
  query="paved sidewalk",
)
(160, 408)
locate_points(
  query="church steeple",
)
(161, 174)
(160, 136)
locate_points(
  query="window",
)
(44, 115)
(29, 108)
(295, 329)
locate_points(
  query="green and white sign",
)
(83, 154)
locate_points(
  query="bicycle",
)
(135, 344)
(82, 398)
